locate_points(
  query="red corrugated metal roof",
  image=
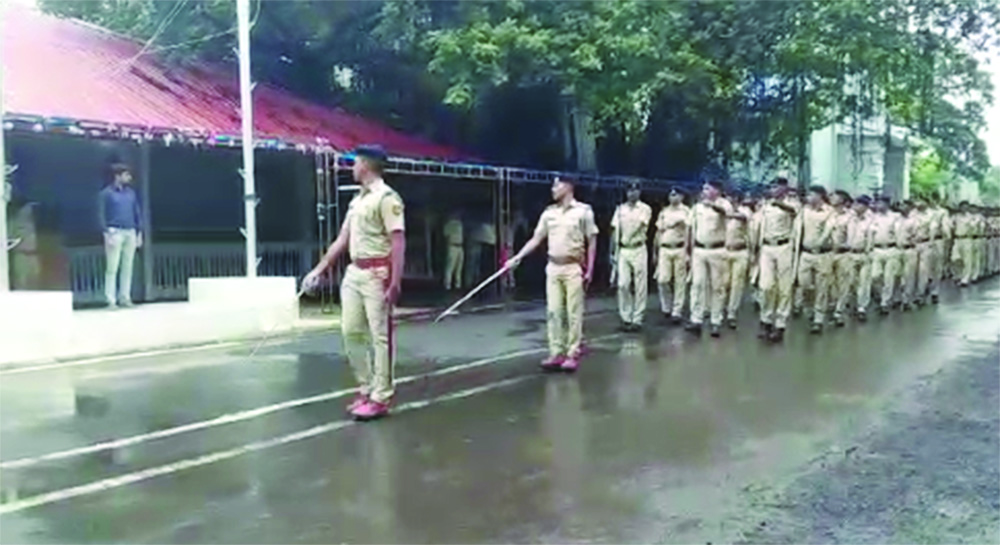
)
(57, 67)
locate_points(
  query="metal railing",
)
(174, 264)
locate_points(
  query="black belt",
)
(779, 242)
(907, 247)
(885, 246)
(672, 246)
(632, 247)
(923, 241)
(843, 250)
(858, 251)
(815, 252)
(712, 246)
(736, 248)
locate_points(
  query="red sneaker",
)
(571, 364)
(370, 410)
(554, 363)
(359, 399)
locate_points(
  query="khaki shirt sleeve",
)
(542, 229)
(590, 224)
(392, 213)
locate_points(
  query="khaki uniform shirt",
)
(709, 226)
(738, 230)
(859, 233)
(372, 215)
(567, 229)
(840, 222)
(816, 228)
(963, 225)
(777, 223)
(922, 225)
(906, 230)
(631, 224)
(883, 228)
(454, 232)
(672, 225)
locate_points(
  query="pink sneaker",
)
(553, 364)
(359, 399)
(571, 364)
(370, 410)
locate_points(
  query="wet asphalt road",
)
(880, 432)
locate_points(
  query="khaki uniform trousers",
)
(708, 284)
(453, 267)
(939, 260)
(995, 255)
(909, 262)
(564, 304)
(963, 254)
(737, 265)
(885, 267)
(980, 251)
(925, 268)
(843, 273)
(862, 263)
(368, 331)
(814, 276)
(671, 279)
(776, 284)
(633, 283)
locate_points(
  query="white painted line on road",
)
(120, 357)
(258, 412)
(182, 465)
(16, 370)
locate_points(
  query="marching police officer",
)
(629, 233)
(672, 255)
(708, 257)
(774, 236)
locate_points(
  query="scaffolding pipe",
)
(246, 115)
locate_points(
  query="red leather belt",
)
(372, 262)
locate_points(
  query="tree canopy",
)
(668, 87)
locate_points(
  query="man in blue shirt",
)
(120, 218)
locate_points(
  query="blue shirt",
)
(118, 207)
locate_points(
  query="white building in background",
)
(859, 161)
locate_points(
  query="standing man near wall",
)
(672, 256)
(777, 255)
(454, 241)
(570, 231)
(629, 233)
(373, 235)
(120, 218)
(708, 258)
(738, 253)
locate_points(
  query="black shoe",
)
(862, 316)
(816, 329)
(625, 327)
(635, 328)
(777, 335)
(907, 307)
(840, 322)
(715, 331)
(731, 323)
(693, 328)
(884, 311)
(765, 331)
(676, 320)
(934, 299)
